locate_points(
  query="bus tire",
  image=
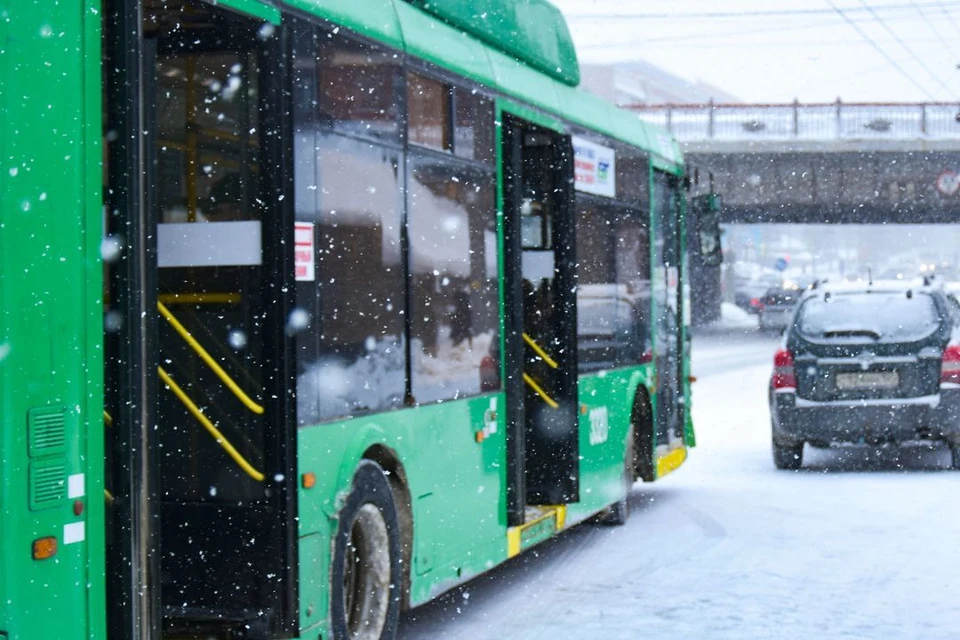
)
(618, 513)
(365, 570)
(641, 422)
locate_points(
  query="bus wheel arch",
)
(364, 600)
(402, 500)
(641, 421)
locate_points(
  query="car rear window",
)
(603, 317)
(870, 317)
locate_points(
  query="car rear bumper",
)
(887, 420)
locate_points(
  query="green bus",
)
(313, 310)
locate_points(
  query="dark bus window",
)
(633, 179)
(351, 358)
(355, 87)
(666, 201)
(538, 196)
(473, 130)
(428, 105)
(613, 286)
(208, 121)
(453, 271)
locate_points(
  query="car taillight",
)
(783, 375)
(646, 356)
(950, 365)
(489, 374)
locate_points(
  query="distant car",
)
(748, 296)
(749, 291)
(612, 331)
(867, 364)
(777, 305)
(612, 327)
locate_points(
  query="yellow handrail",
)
(107, 418)
(540, 352)
(199, 298)
(203, 420)
(226, 379)
(540, 392)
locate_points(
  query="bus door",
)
(540, 337)
(195, 322)
(669, 409)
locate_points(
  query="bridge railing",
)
(830, 121)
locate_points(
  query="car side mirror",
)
(706, 210)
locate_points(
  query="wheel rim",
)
(366, 575)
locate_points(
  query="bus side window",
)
(351, 358)
(453, 276)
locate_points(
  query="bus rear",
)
(51, 501)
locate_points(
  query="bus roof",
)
(402, 25)
(530, 30)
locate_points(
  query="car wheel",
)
(788, 456)
(365, 572)
(955, 455)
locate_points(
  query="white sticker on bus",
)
(75, 488)
(594, 168)
(303, 254)
(599, 425)
(74, 532)
(209, 244)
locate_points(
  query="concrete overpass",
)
(825, 163)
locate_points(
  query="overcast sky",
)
(762, 51)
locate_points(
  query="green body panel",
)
(530, 115)
(591, 112)
(50, 326)
(376, 19)
(666, 155)
(606, 401)
(520, 81)
(443, 45)
(253, 8)
(532, 31)
(456, 486)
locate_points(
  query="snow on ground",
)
(733, 317)
(860, 544)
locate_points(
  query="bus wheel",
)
(641, 422)
(365, 572)
(616, 514)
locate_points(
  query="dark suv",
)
(868, 364)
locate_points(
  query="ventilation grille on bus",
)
(47, 484)
(47, 428)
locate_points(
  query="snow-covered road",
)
(859, 544)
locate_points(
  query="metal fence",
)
(806, 121)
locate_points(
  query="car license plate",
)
(868, 380)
